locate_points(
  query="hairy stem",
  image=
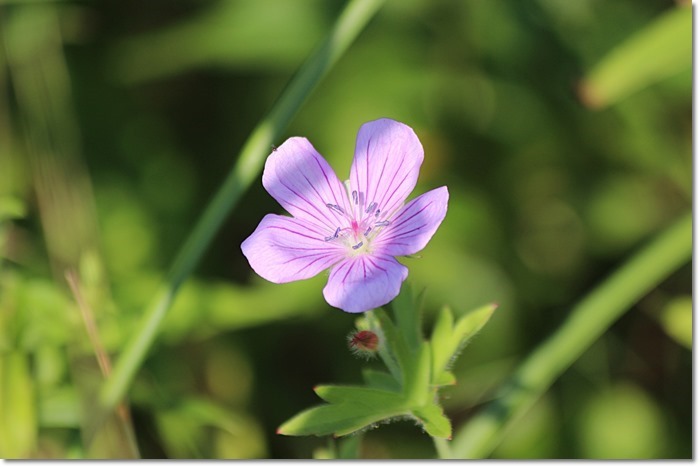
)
(248, 165)
(587, 322)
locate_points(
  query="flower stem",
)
(442, 447)
(250, 161)
(587, 322)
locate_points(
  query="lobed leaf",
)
(434, 421)
(381, 380)
(339, 419)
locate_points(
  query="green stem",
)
(350, 22)
(442, 447)
(384, 353)
(587, 322)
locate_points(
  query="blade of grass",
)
(587, 322)
(350, 22)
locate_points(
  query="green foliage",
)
(118, 123)
(418, 368)
(677, 320)
(659, 51)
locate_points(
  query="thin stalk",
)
(384, 352)
(587, 322)
(248, 165)
(442, 447)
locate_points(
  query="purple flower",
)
(356, 229)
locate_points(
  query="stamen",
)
(376, 214)
(362, 198)
(368, 230)
(355, 247)
(354, 196)
(335, 207)
(335, 235)
(382, 224)
(371, 207)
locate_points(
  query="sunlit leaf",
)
(441, 341)
(18, 430)
(360, 410)
(677, 320)
(471, 323)
(660, 50)
(434, 421)
(11, 208)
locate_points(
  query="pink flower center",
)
(357, 234)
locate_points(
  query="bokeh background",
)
(562, 129)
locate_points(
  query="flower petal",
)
(387, 160)
(284, 249)
(414, 225)
(301, 180)
(364, 282)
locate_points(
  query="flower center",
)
(362, 225)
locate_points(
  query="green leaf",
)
(417, 374)
(339, 419)
(660, 50)
(359, 395)
(446, 378)
(434, 421)
(472, 322)
(18, 427)
(12, 207)
(60, 408)
(393, 351)
(381, 380)
(467, 326)
(407, 315)
(441, 342)
(677, 320)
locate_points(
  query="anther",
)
(376, 214)
(371, 207)
(335, 235)
(354, 196)
(382, 224)
(367, 231)
(335, 207)
(355, 247)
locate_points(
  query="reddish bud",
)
(363, 343)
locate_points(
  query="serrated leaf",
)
(472, 322)
(381, 380)
(465, 328)
(441, 342)
(434, 421)
(660, 50)
(338, 419)
(351, 408)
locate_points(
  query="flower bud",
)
(363, 343)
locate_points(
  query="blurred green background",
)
(563, 130)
